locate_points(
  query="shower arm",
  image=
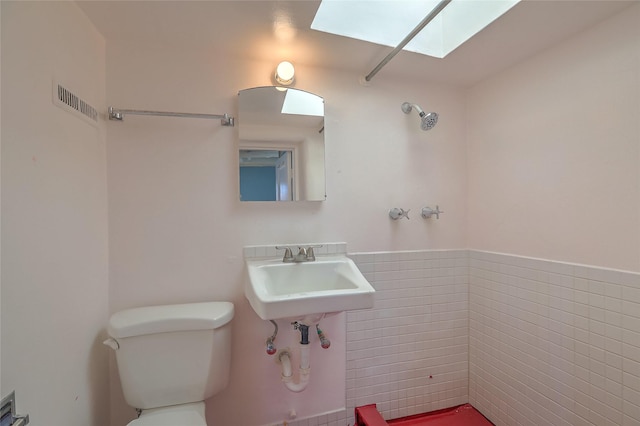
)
(436, 10)
(118, 115)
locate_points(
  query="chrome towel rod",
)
(118, 115)
(408, 38)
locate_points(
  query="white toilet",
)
(171, 358)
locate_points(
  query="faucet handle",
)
(397, 213)
(288, 256)
(311, 256)
(427, 212)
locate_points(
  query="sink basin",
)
(307, 290)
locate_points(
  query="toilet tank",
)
(172, 354)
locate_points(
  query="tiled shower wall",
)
(553, 343)
(409, 354)
(528, 342)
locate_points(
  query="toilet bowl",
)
(171, 358)
(182, 415)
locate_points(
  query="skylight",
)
(387, 22)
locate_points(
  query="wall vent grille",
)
(69, 101)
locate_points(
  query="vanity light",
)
(285, 73)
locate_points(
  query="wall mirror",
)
(281, 145)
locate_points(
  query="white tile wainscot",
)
(409, 353)
(528, 342)
(553, 343)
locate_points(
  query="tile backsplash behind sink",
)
(269, 251)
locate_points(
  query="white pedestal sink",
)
(306, 291)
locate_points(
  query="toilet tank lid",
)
(167, 318)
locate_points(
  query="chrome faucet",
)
(301, 256)
(304, 254)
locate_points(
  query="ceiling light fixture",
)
(285, 73)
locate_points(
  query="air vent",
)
(69, 101)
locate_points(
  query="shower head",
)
(428, 120)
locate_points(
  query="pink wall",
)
(554, 173)
(177, 228)
(0, 207)
(554, 151)
(54, 217)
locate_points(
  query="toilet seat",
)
(184, 415)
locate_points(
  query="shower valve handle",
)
(396, 213)
(427, 212)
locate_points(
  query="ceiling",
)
(275, 30)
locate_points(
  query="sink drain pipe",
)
(305, 369)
